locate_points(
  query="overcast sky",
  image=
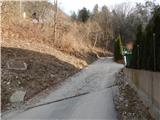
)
(74, 5)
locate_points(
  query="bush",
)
(146, 51)
(118, 49)
(137, 49)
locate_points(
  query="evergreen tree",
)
(152, 43)
(83, 15)
(156, 30)
(146, 51)
(138, 49)
(95, 10)
(95, 13)
(118, 49)
(148, 61)
(73, 16)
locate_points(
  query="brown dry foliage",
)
(70, 36)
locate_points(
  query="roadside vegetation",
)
(118, 49)
(146, 51)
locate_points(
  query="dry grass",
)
(72, 38)
(71, 51)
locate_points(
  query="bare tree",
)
(122, 21)
(55, 19)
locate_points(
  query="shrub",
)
(118, 49)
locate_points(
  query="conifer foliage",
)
(146, 51)
(118, 49)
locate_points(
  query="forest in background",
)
(123, 19)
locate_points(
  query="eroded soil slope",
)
(43, 70)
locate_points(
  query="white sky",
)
(74, 5)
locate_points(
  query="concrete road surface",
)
(97, 79)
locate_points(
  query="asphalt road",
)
(97, 79)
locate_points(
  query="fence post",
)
(154, 51)
(138, 57)
(154, 69)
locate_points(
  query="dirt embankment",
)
(42, 71)
(49, 60)
(46, 67)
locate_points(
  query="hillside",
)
(49, 61)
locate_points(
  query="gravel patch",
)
(127, 102)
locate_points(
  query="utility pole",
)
(154, 67)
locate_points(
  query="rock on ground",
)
(18, 96)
